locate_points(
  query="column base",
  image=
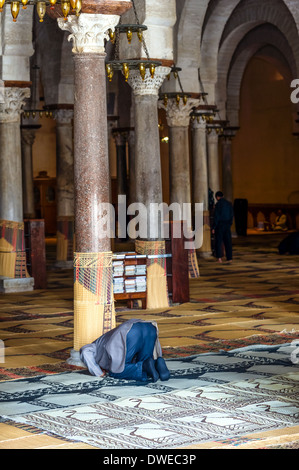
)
(75, 360)
(8, 284)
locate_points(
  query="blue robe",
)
(110, 351)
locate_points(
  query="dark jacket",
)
(223, 213)
(108, 352)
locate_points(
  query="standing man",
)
(223, 219)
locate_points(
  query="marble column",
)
(11, 198)
(112, 124)
(65, 187)
(200, 179)
(132, 171)
(227, 182)
(178, 120)
(120, 138)
(147, 145)
(227, 177)
(93, 302)
(149, 182)
(213, 161)
(27, 140)
(12, 255)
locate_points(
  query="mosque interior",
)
(111, 108)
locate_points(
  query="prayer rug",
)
(208, 396)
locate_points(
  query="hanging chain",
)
(116, 50)
(138, 22)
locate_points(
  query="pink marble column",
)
(93, 290)
(91, 164)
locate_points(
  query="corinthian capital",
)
(148, 86)
(12, 100)
(63, 116)
(178, 114)
(88, 31)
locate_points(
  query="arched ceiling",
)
(54, 57)
(237, 57)
(221, 28)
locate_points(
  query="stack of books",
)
(130, 285)
(118, 285)
(118, 268)
(130, 270)
(141, 284)
(140, 269)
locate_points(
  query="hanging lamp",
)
(126, 65)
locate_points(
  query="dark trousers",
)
(223, 237)
(140, 346)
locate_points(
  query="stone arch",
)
(270, 53)
(54, 57)
(187, 32)
(232, 63)
(231, 18)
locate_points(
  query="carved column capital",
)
(148, 86)
(120, 137)
(88, 31)
(178, 114)
(213, 136)
(28, 136)
(198, 123)
(63, 116)
(12, 100)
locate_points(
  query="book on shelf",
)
(141, 284)
(130, 270)
(129, 278)
(118, 285)
(140, 269)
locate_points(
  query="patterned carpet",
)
(207, 396)
(253, 301)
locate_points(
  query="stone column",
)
(132, 172)
(65, 187)
(149, 181)
(112, 124)
(178, 120)
(213, 161)
(120, 138)
(27, 140)
(12, 254)
(200, 179)
(11, 198)
(227, 182)
(93, 288)
(227, 178)
(147, 144)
